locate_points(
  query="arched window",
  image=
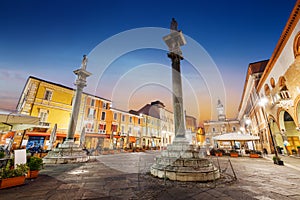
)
(272, 82)
(296, 47)
(281, 81)
(267, 89)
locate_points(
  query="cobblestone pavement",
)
(125, 176)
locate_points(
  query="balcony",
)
(102, 131)
(283, 99)
(44, 124)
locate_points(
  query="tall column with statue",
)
(80, 83)
(69, 152)
(181, 161)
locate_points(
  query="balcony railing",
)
(44, 124)
(283, 99)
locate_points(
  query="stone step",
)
(180, 154)
(183, 162)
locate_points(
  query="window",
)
(89, 127)
(101, 128)
(123, 118)
(91, 113)
(104, 105)
(223, 129)
(233, 128)
(213, 129)
(103, 116)
(139, 121)
(48, 95)
(130, 119)
(114, 128)
(93, 102)
(115, 116)
(122, 129)
(43, 115)
(129, 130)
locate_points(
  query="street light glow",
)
(248, 121)
(263, 101)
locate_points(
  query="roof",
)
(135, 113)
(66, 87)
(257, 67)
(150, 110)
(253, 68)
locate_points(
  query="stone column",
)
(82, 74)
(174, 40)
(177, 95)
(69, 152)
(181, 161)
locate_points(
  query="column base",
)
(68, 152)
(182, 162)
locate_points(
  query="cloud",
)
(12, 75)
(11, 85)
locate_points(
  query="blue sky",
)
(48, 38)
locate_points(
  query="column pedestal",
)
(182, 162)
(68, 152)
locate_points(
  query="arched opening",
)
(267, 90)
(276, 135)
(289, 133)
(296, 46)
(272, 82)
(298, 116)
(281, 81)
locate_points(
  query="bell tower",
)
(221, 113)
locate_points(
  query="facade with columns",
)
(271, 101)
(221, 126)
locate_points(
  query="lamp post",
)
(263, 101)
(248, 123)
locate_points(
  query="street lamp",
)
(263, 101)
(248, 123)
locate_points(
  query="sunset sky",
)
(47, 39)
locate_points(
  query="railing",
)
(46, 124)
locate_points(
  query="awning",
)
(17, 121)
(235, 137)
(45, 134)
(132, 139)
(97, 135)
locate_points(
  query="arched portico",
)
(298, 114)
(289, 131)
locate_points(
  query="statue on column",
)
(84, 62)
(174, 25)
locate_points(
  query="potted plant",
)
(277, 160)
(35, 164)
(219, 152)
(2, 154)
(255, 154)
(13, 176)
(234, 153)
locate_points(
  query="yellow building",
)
(97, 121)
(52, 103)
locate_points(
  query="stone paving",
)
(126, 176)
